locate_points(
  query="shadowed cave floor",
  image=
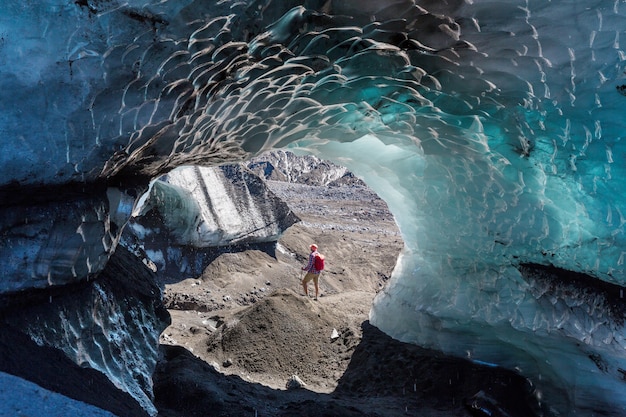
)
(384, 378)
(243, 327)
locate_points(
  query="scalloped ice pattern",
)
(493, 129)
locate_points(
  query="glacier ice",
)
(492, 129)
(190, 212)
(215, 206)
(111, 324)
(23, 397)
(59, 236)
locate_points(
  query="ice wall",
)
(193, 213)
(493, 130)
(57, 235)
(21, 396)
(110, 325)
(209, 207)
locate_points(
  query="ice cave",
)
(492, 129)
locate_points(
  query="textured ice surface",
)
(23, 398)
(204, 207)
(492, 128)
(190, 212)
(111, 324)
(67, 238)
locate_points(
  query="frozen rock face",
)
(492, 129)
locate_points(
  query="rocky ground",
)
(243, 329)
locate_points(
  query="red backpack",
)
(318, 262)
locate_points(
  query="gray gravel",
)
(342, 208)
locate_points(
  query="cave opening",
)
(243, 325)
(212, 290)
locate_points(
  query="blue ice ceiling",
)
(493, 129)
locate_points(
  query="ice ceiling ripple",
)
(492, 129)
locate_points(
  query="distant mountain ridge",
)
(288, 167)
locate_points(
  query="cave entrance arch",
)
(511, 141)
(350, 224)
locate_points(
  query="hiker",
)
(314, 267)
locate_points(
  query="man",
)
(312, 273)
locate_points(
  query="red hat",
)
(313, 246)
